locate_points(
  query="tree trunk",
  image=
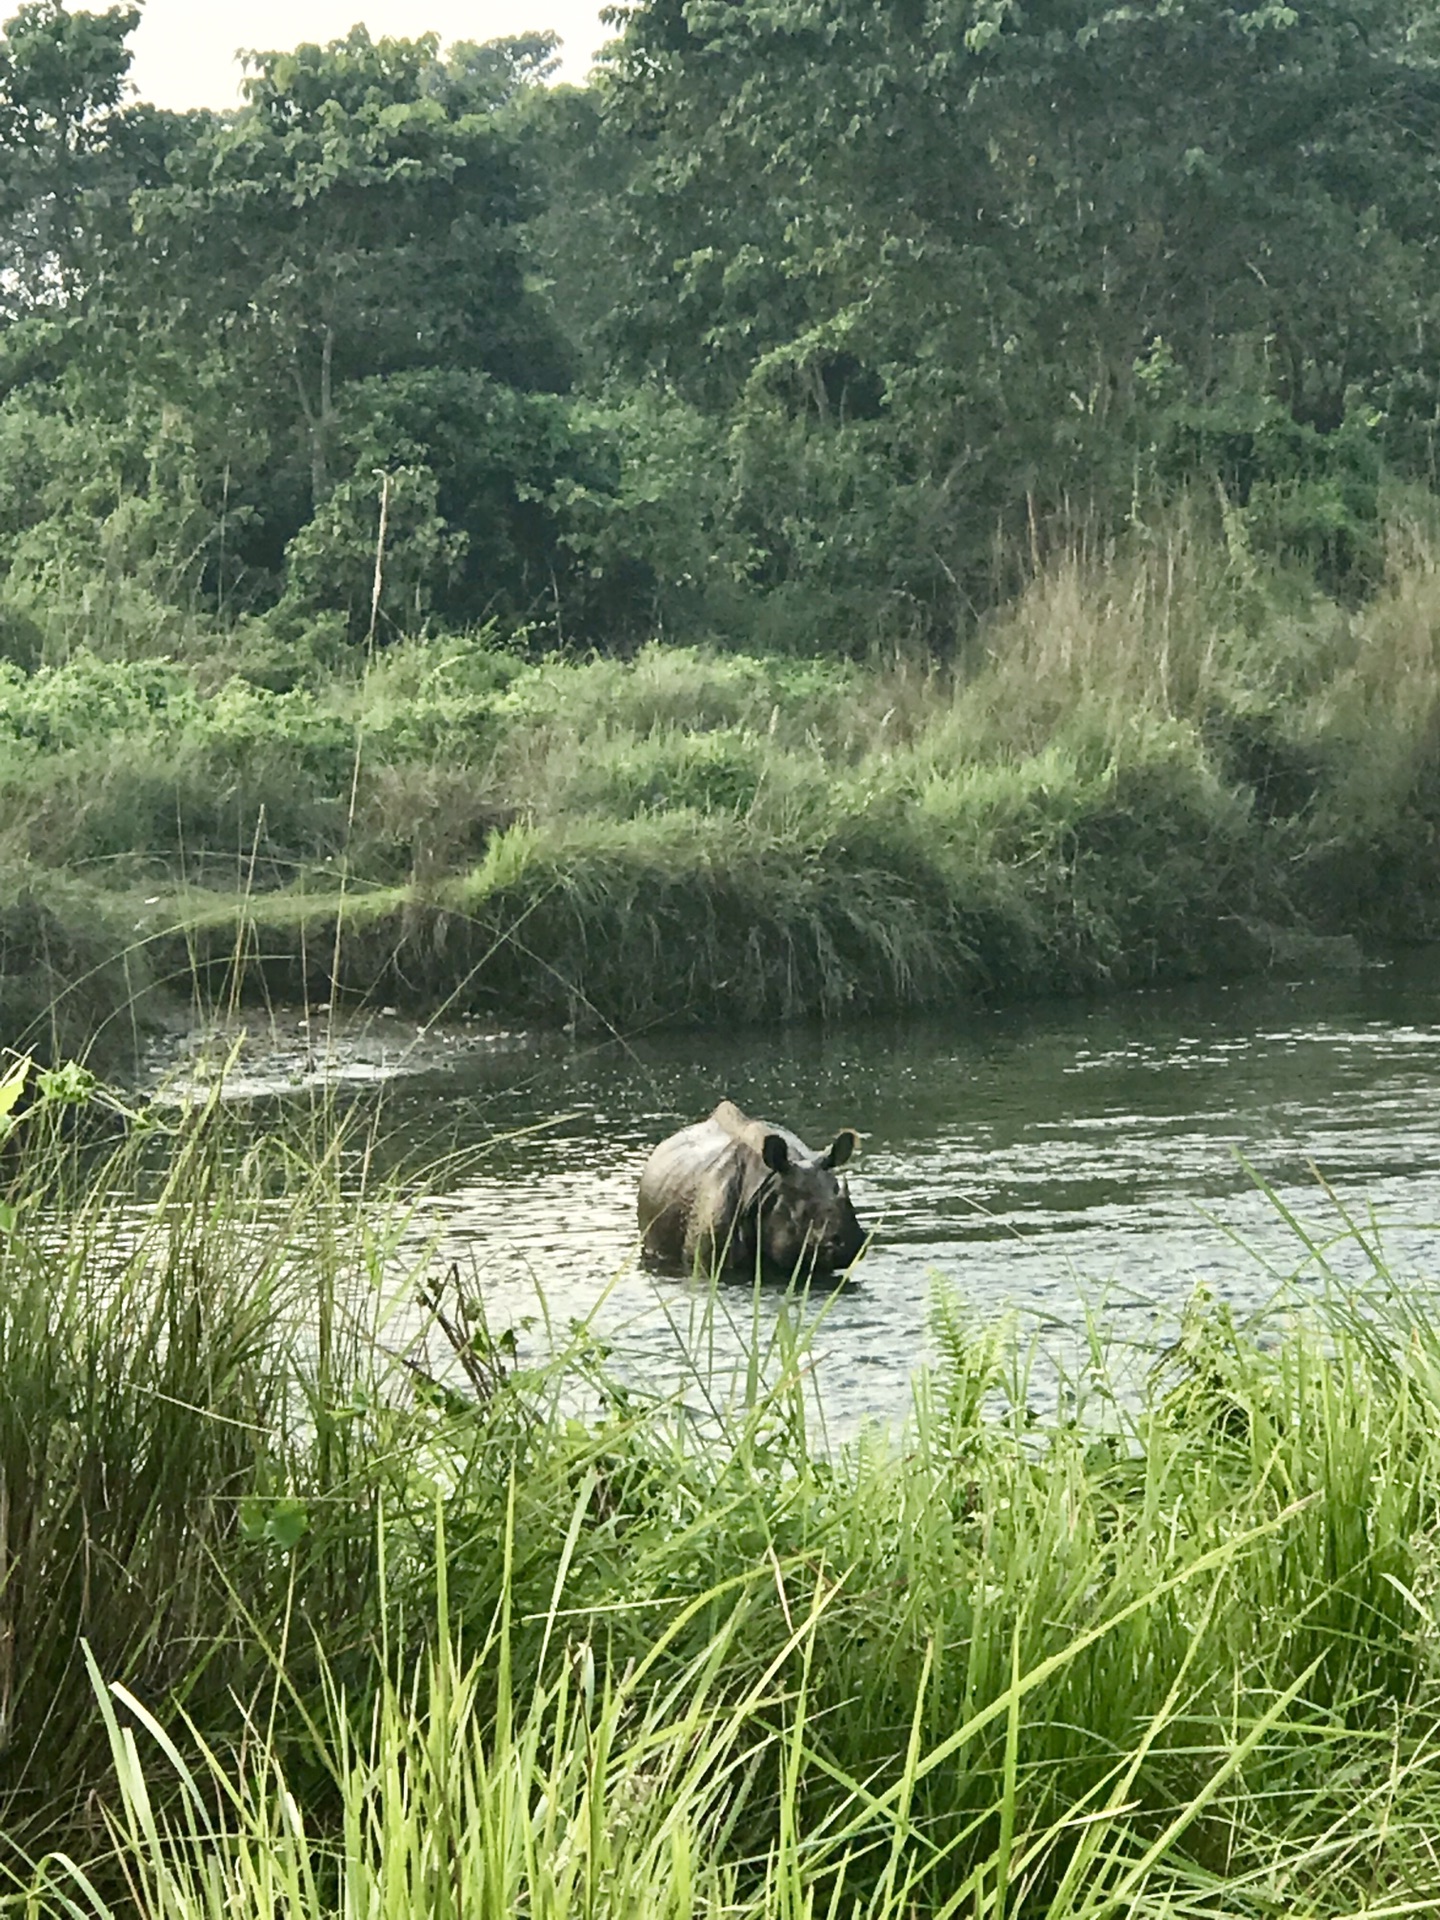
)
(318, 417)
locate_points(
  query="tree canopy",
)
(786, 324)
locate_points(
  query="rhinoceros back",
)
(692, 1193)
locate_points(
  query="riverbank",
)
(294, 1626)
(1166, 765)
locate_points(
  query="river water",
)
(1052, 1161)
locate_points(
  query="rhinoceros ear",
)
(775, 1152)
(846, 1142)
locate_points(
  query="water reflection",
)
(1034, 1159)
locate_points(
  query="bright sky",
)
(184, 50)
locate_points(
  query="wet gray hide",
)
(730, 1189)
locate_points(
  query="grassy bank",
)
(1168, 761)
(289, 1627)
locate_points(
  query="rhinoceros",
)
(731, 1192)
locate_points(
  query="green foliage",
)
(291, 1626)
(55, 709)
(1175, 762)
(291, 300)
(1301, 494)
(474, 514)
(868, 313)
(154, 1397)
(1076, 351)
(67, 148)
(72, 979)
(367, 162)
(968, 273)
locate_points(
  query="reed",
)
(290, 1625)
(1165, 760)
(176, 1364)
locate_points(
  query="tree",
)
(62, 77)
(940, 241)
(359, 217)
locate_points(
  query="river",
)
(1046, 1161)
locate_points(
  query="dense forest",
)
(818, 331)
(867, 504)
(804, 320)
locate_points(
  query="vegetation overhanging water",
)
(1020, 426)
(291, 1626)
(1155, 772)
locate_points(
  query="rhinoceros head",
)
(805, 1211)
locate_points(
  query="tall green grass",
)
(289, 1621)
(1164, 760)
(177, 1359)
